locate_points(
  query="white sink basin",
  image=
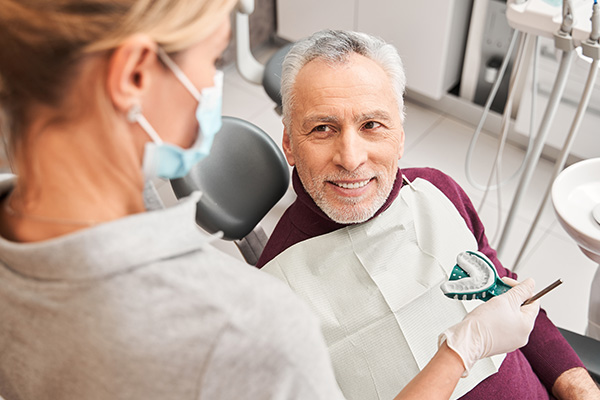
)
(576, 200)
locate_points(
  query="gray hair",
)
(335, 47)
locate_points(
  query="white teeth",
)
(355, 185)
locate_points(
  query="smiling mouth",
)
(353, 185)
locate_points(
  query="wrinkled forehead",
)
(357, 86)
(351, 65)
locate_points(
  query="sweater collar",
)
(311, 220)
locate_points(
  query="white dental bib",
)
(376, 289)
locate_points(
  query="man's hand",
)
(575, 384)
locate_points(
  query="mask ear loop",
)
(135, 115)
(181, 77)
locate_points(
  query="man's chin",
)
(349, 214)
(350, 221)
(350, 209)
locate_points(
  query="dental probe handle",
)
(595, 33)
(567, 14)
(547, 289)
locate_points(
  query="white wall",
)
(429, 35)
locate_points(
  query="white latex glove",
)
(498, 326)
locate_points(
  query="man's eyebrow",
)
(376, 115)
(311, 120)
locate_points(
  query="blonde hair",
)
(41, 42)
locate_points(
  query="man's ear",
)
(287, 147)
(130, 71)
(401, 145)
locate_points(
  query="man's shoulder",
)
(433, 175)
(444, 182)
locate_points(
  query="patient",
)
(367, 244)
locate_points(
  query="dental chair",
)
(243, 177)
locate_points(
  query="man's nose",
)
(350, 150)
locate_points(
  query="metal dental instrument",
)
(548, 288)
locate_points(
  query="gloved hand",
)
(498, 326)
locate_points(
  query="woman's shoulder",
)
(249, 310)
(246, 296)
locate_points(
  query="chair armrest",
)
(252, 245)
(588, 350)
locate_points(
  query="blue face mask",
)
(169, 161)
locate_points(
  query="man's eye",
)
(371, 125)
(321, 128)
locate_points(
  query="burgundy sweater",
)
(527, 373)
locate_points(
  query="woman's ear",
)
(130, 71)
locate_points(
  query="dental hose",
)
(519, 61)
(486, 110)
(496, 166)
(547, 119)
(562, 158)
(591, 48)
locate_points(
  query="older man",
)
(367, 245)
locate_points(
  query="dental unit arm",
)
(563, 40)
(268, 74)
(590, 48)
(247, 65)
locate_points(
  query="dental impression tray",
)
(473, 277)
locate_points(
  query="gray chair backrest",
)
(272, 74)
(241, 179)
